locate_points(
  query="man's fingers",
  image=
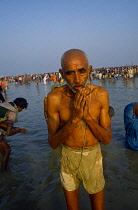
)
(78, 102)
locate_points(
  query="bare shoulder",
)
(55, 95)
(101, 94)
(99, 91)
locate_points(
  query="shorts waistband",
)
(80, 150)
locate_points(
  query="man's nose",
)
(76, 77)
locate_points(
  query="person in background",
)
(131, 125)
(45, 79)
(78, 119)
(4, 85)
(36, 80)
(1, 96)
(8, 116)
(54, 77)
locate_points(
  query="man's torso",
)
(81, 136)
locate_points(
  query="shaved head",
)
(73, 54)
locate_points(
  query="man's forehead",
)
(74, 64)
(75, 68)
(75, 58)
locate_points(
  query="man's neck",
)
(68, 92)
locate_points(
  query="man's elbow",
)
(106, 142)
(108, 139)
(52, 144)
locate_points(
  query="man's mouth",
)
(76, 87)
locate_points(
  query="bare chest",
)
(66, 107)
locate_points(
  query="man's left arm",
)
(101, 129)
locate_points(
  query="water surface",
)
(32, 179)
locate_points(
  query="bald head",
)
(73, 55)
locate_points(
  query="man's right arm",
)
(56, 136)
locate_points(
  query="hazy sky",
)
(35, 33)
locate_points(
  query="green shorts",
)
(82, 166)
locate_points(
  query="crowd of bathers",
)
(97, 73)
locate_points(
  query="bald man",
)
(131, 125)
(78, 120)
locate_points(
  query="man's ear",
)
(90, 69)
(61, 72)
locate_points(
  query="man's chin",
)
(74, 91)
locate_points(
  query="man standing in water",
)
(78, 120)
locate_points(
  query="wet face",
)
(75, 70)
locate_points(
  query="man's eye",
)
(82, 70)
(68, 72)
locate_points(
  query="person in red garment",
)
(78, 120)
